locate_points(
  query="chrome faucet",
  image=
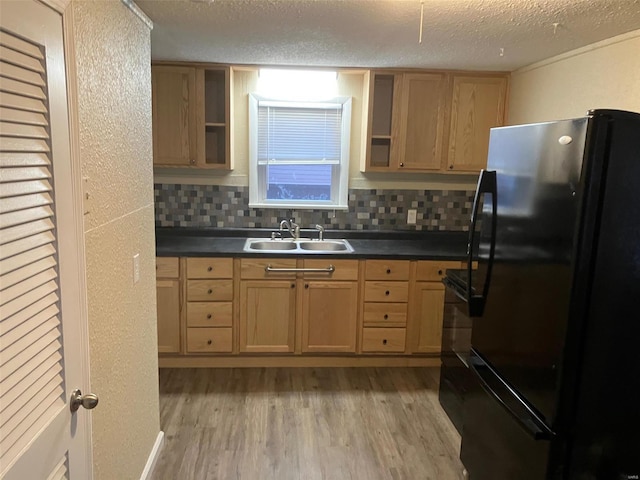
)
(320, 229)
(294, 228)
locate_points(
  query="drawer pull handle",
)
(388, 270)
(384, 341)
(209, 291)
(209, 269)
(386, 316)
(270, 269)
(209, 342)
(387, 292)
(209, 316)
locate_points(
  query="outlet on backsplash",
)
(412, 214)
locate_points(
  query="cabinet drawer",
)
(209, 268)
(434, 270)
(209, 314)
(344, 269)
(386, 270)
(385, 314)
(167, 267)
(383, 339)
(386, 291)
(209, 290)
(209, 340)
(255, 268)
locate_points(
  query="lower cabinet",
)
(209, 315)
(289, 306)
(280, 296)
(329, 314)
(386, 297)
(169, 305)
(428, 310)
(267, 316)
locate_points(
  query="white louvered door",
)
(42, 357)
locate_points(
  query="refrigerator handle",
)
(487, 183)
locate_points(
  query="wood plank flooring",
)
(305, 424)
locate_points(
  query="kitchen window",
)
(299, 152)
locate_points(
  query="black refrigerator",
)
(555, 303)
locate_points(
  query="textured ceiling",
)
(457, 34)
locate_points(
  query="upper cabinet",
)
(477, 105)
(432, 122)
(192, 116)
(422, 124)
(174, 115)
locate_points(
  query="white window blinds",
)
(294, 133)
(31, 382)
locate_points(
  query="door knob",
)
(88, 401)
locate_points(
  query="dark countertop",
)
(219, 242)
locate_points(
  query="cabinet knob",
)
(384, 342)
(388, 270)
(306, 285)
(209, 291)
(192, 161)
(439, 272)
(450, 167)
(386, 316)
(209, 316)
(402, 164)
(293, 285)
(209, 342)
(209, 269)
(387, 293)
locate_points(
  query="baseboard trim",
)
(153, 457)
(296, 361)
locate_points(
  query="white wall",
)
(602, 75)
(112, 61)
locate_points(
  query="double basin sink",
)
(297, 246)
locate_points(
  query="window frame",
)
(258, 177)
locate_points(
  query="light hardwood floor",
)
(305, 424)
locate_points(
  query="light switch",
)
(136, 268)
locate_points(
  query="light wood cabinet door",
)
(329, 316)
(422, 125)
(174, 115)
(426, 311)
(478, 104)
(267, 315)
(168, 304)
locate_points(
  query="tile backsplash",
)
(376, 209)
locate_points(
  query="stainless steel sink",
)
(299, 246)
(325, 245)
(271, 245)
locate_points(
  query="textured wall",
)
(228, 206)
(114, 112)
(604, 75)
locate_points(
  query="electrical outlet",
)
(411, 216)
(136, 268)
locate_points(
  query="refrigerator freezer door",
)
(495, 445)
(521, 333)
